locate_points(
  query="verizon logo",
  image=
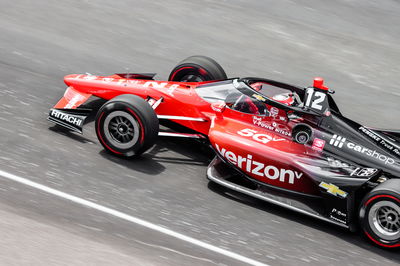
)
(337, 141)
(251, 166)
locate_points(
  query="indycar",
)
(284, 144)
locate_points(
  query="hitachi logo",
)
(246, 163)
(65, 117)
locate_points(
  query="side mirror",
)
(218, 106)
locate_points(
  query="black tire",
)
(380, 214)
(126, 125)
(197, 68)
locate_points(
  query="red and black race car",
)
(277, 142)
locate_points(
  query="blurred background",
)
(353, 45)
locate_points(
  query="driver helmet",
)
(284, 98)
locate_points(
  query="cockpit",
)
(247, 95)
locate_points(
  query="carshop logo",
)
(247, 164)
(339, 142)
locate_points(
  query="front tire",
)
(126, 125)
(197, 69)
(380, 214)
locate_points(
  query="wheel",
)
(380, 214)
(301, 134)
(126, 125)
(196, 69)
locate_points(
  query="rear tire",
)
(126, 125)
(380, 214)
(196, 69)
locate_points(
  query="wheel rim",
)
(384, 220)
(121, 129)
(302, 137)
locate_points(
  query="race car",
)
(280, 143)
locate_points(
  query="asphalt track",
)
(354, 45)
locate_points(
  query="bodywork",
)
(326, 177)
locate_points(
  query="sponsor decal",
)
(259, 97)
(247, 164)
(108, 79)
(364, 172)
(71, 119)
(338, 216)
(351, 169)
(155, 84)
(74, 98)
(336, 163)
(318, 144)
(170, 87)
(70, 93)
(133, 82)
(90, 77)
(339, 141)
(386, 144)
(260, 137)
(258, 121)
(333, 190)
(370, 134)
(74, 101)
(274, 111)
(390, 147)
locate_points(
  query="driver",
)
(284, 98)
(246, 104)
(251, 106)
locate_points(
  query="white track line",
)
(130, 218)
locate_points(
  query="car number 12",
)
(314, 99)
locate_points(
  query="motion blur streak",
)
(129, 218)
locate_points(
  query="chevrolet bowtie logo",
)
(334, 190)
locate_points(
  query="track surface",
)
(354, 45)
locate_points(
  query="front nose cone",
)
(69, 79)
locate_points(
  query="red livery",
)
(277, 142)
